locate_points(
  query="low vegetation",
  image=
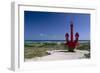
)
(32, 50)
(84, 46)
(35, 52)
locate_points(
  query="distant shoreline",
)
(53, 41)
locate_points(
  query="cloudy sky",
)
(54, 25)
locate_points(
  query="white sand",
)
(58, 55)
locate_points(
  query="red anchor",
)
(72, 43)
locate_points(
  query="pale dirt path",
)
(57, 55)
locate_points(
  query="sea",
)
(53, 41)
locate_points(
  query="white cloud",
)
(54, 36)
(41, 34)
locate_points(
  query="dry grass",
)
(40, 49)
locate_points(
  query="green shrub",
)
(35, 52)
(84, 47)
(87, 55)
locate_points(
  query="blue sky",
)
(54, 25)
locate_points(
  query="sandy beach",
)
(59, 55)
